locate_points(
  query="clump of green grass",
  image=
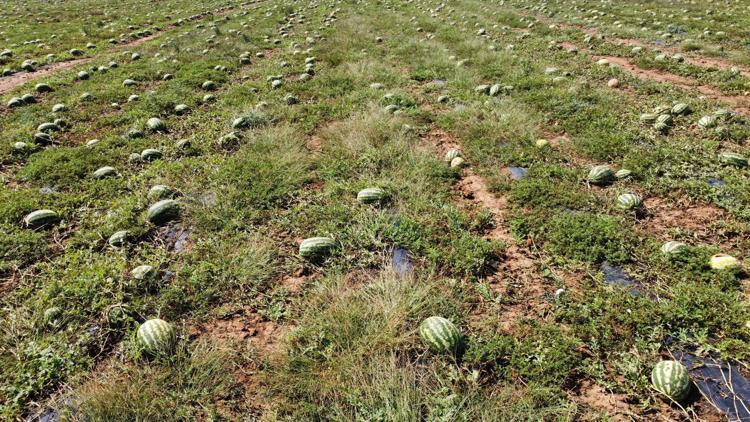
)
(184, 387)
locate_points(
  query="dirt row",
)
(11, 82)
(696, 60)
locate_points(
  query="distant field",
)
(256, 210)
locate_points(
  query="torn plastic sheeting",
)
(518, 173)
(401, 262)
(721, 383)
(716, 183)
(614, 276)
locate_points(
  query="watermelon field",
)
(393, 210)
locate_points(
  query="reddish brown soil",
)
(613, 405)
(665, 217)
(741, 104)
(516, 275)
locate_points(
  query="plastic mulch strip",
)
(615, 276)
(721, 383)
(401, 262)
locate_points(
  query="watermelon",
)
(370, 195)
(628, 201)
(672, 379)
(105, 172)
(133, 134)
(724, 114)
(41, 138)
(672, 247)
(601, 175)
(733, 158)
(680, 109)
(316, 247)
(118, 238)
(150, 154)
(41, 218)
(159, 192)
(156, 124)
(209, 85)
(157, 337)
(451, 154)
(649, 117)
(163, 211)
(52, 316)
(48, 127)
(482, 89)
(42, 88)
(665, 118)
(707, 122)
(440, 335)
(623, 174)
(142, 272)
(457, 162)
(722, 261)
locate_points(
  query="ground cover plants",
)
(379, 211)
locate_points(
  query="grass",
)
(336, 339)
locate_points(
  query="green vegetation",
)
(364, 211)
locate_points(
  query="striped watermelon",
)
(623, 174)
(158, 192)
(649, 117)
(163, 211)
(157, 336)
(156, 124)
(733, 158)
(680, 109)
(370, 195)
(440, 335)
(315, 247)
(628, 201)
(118, 238)
(671, 378)
(707, 122)
(672, 247)
(451, 154)
(41, 218)
(601, 175)
(104, 172)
